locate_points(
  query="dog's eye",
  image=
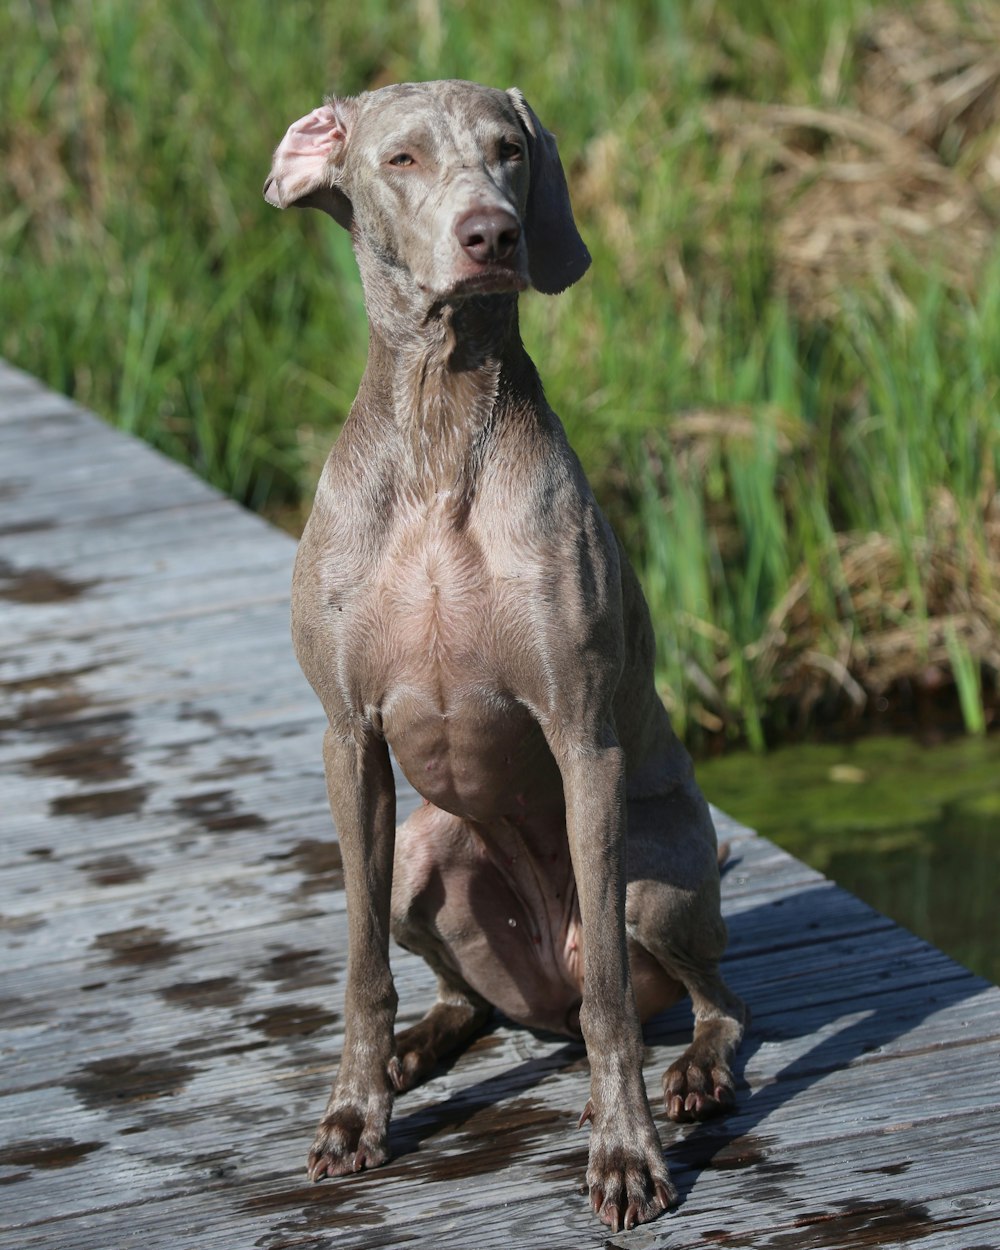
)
(401, 160)
(510, 151)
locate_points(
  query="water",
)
(912, 830)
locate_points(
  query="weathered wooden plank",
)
(538, 1143)
(48, 444)
(527, 1140)
(165, 662)
(73, 446)
(109, 739)
(21, 399)
(303, 1043)
(163, 985)
(224, 590)
(185, 530)
(221, 834)
(219, 891)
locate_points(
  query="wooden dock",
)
(174, 937)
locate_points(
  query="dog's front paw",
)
(627, 1177)
(346, 1141)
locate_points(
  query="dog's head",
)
(458, 186)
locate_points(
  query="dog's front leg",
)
(627, 1175)
(353, 1133)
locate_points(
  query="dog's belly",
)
(502, 899)
(522, 950)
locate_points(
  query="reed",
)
(781, 372)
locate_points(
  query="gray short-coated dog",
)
(460, 597)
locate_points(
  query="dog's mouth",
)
(491, 278)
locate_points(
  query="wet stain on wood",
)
(39, 586)
(27, 527)
(13, 487)
(319, 862)
(116, 869)
(857, 1223)
(22, 924)
(19, 1012)
(101, 758)
(204, 715)
(126, 1079)
(40, 714)
(293, 1020)
(206, 1047)
(101, 804)
(60, 679)
(888, 1169)
(487, 1136)
(216, 1165)
(705, 1150)
(317, 1209)
(211, 992)
(743, 1152)
(301, 969)
(46, 1154)
(235, 766)
(139, 945)
(217, 811)
(51, 710)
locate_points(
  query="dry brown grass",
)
(882, 635)
(906, 172)
(933, 72)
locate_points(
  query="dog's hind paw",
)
(697, 1091)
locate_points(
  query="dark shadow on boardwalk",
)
(488, 1124)
(490, 1120)
(736, 1141)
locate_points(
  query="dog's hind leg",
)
(418, 899)
(672, 913)
(454, 1019)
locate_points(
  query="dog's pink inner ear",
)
(302, 158)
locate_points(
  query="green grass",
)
(142, 273)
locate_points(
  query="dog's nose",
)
(488, 235)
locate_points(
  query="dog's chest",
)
(430, 608)
(444, 639)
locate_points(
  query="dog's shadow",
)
(883, 1008)
(494, 1116)
(482, 1111)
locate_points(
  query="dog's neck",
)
(444, 376)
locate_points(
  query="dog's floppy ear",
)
(307, 161)
(557, 256)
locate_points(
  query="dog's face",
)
(454, 187)
(426, 163)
